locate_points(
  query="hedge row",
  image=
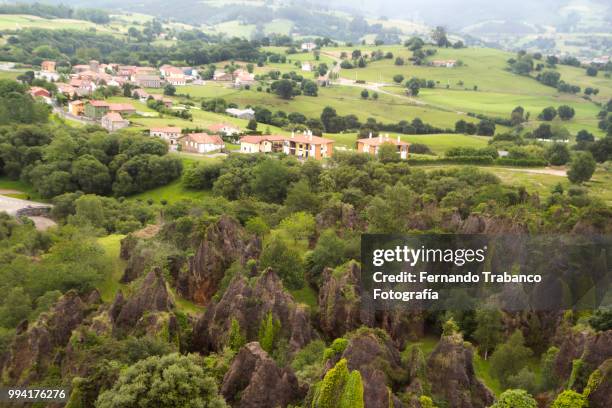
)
(479, 160)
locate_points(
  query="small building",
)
(243, 78)
(306, 146)
(122, 108)
(222, 76)
(444, 63)
(148, 81)
(306, 66)
(246, 114)
(47, 76)
(371, 144)
(113, 121)
(169, 134)
(173, 75)
(76, 108)
(38, 92)
(308, 46)
(66, 89)
(224, 129)
(201, 143)
(96, 109)
(47, 66)
(323, 80)
(262, 144)
(80, 68)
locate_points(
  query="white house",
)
(246, 114)
(201, 143)
(306, 66)
(169, 134)
(308, 46)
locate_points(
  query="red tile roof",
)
(121, 107)
(258, 139)
(114, 117)
(166, 130)
(99, 104)
(205, 138)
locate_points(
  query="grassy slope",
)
(111, 245)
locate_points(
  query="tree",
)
(584, 136)
(339, 388)
(549, 376)
(489, 329)
(283, 88)
(310, 88)
(329, 252)
(235, 337)
(326, 116)
(270, 180)
(399, 61)
(269, 330)
(566, 112)
(252, 125)
(515, 399)
(508, 358)
(486, 128)
(558, 154)
(439, 36)
(582, 168)
(169, 90)
(168, 381)
(517, 115)
(548, 114)
(544, 131)
(398, 79)
(91, 175)
(16, 307)
(602, 149)
(413, 85)
(570, 399)
(388, 213)
(387, 153)
(285, 259)
(365, 94)
(591, 71)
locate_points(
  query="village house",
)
(37, 91)
(371, 144)
(222, 76)
(80, 68)
(243, 78)
(173, 75)
(76, 108)
(262, 144)
(444, 63)
(246, 114)
(308, 46)
(66, 89)
(83, 87)
(323, 80)
(113, 121)
(96, 109)
(169, 134)
(224, 129)
(50, 76)
(201, 143)
(306, 66)
(147, 81)
(47, 66)
(303, 146)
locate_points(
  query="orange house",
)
(371, 144)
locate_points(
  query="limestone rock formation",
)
(451, 374)
(255, 381)
(225, 242)
(249, 303)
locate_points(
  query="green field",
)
(438, 143)
(110, 286)
(19, 22)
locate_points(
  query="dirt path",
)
(7, 191)
(548, 170)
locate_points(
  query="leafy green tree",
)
(169, 381)
(300, 197)
(508, 358)
(489, 329)
(525, 379)
(413, 85)
(285, 259)
(485, 128)
(257, 226)
(270, 180)
(269, 332)
(566, 112)
(352, 395)
(252, 125)
(235, 337)
(438, 35)
(339, 388)
(299, 226)
(329, 252)
(92, 176)
(388, 213)
(570, 399)
(601, 319)
(426, 402)
(584, 136)
(203, 175)
(558, 154)
(548, 114)
(581, 168)
(387, 153)
(15, 308)
(515, 399)
(283, 88)
(549, 377)
(169, 90)
(398, 79)
(365, 94)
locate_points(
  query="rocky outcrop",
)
(34, 347)
(151, 296)
(592, 348)
(224, 243)
(479, 224)
(255, 381)
(249, 303)
(341, 311)
(342, 216)
(372, 353)
(600, 394)
(451, 374)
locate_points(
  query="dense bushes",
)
(58, 159)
